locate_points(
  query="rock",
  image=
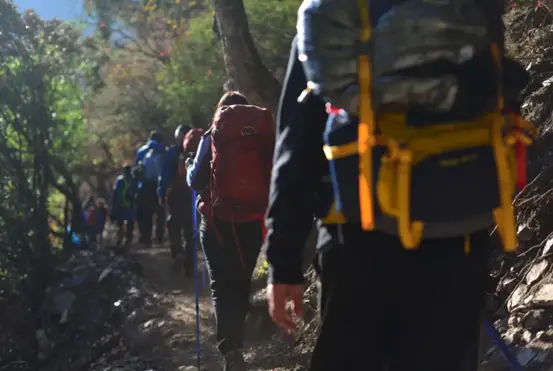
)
(44, 345)
(507, 283)
(544, 296)
(525, 356)
(536, 271)
(533, 319)
(527, 336)
(524, 233)
(518, 296)
(530, 356)
(548, 246)
(513, 321)
(62, 301)
(513, 335)
(501, 325)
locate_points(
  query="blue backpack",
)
(153, 164)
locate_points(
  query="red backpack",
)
(192, 140)
(190, 144)
(90, 216)
(242, 141)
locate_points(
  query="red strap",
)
(332, 110)
(521, 160)
(520, 153)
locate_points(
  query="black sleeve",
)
(295, 176)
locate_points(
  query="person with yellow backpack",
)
(399, 128)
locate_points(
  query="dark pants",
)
(384, 306)
(180, 225)
(126, 228)
(148, 206)
(230, 268)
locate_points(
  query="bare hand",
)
(278, 296)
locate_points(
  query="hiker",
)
(175, 193)
(90, 216)
(101, 218)
(233, 197)
(382, 306)
(123, 212)
(150, 158)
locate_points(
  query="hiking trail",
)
(164, 330)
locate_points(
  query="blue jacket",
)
(150, 144)
(142, 151)
(169, 171)
(197, 175)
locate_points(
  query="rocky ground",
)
(126, 310)
(522, 305)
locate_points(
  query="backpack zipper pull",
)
(305, 94)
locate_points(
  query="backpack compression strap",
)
(366, 129)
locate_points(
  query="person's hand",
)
(161, 201)
(189, 160)
(278, 296)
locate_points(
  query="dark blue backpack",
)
(153, 164)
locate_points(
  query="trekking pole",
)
(494, 335)
(196, 279)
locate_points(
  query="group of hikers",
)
(399, 132)
(153, 195)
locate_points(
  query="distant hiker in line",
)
(150, 158)
(102, 218)
(90, 215)
(383, 307)
(123, 212)
(176, 194)
(233, 198)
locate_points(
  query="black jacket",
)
(299, 165)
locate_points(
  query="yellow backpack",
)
(437, 179)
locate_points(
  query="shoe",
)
(177, 262)
(188, 272)
(234, 361)
(188, 268)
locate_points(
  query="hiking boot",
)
(177, 262)
(188, 267)
(234, 361)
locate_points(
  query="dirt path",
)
(164, 329)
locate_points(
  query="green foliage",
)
(194, 80)
(262, 271)
(42, 124)
(273, 25)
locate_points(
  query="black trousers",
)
(147, 207)
(231, 264)
(180, 225)
(387, 308)
(126, 228)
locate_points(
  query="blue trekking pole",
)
(494, 335)
(196, 278)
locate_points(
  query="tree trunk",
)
(242, 60)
